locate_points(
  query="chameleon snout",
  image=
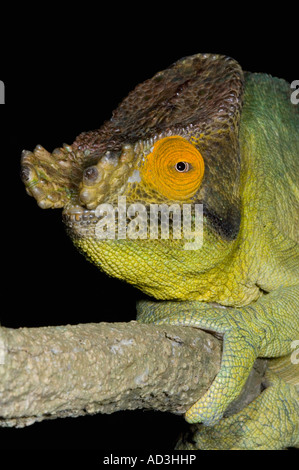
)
(107, 178)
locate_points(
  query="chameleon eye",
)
(175, 168)
(182, 167)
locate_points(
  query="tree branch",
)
(73, 370)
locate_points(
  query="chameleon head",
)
(172, 141)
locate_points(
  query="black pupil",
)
(181, 166)
(91, 173)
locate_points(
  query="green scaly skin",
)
(244, 282)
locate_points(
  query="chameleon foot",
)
(239, 351)
(269, 422)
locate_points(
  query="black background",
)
(63, 76)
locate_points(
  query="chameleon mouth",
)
(82, 222)
(79, 221)
(78, 215)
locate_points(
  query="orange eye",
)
(175, 168)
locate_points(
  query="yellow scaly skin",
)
(250, 273)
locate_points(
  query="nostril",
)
(90, 174)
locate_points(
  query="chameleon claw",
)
(201, 412)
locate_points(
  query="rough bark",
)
(73, 370)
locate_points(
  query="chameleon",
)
(201, 132)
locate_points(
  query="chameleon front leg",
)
(265, 328)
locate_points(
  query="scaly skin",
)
(240, 138)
